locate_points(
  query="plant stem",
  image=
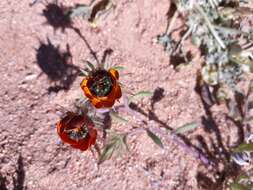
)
(175, 138)
(186, 35)
(187, 148)
(172, 22)
(210, 26)
(211, 3)
(230, 30)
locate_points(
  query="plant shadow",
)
(217, 180)
(218, 154)
(3, 183)
(178, 59)
(157, 96)
(218, 151)
(19, 181)
(57, 16)
(56, 65)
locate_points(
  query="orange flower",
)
(102, 88)
(77, 130)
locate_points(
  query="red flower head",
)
(77, 130)
(102, 88)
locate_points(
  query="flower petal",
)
(108, 103)
(85, 88)
(114, 73)
(93, 136)
(118, 92)
(72, 121)
(96, 102)
(82, 145)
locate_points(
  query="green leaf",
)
(115, 116)
(237, 186)
(222, 95)
(196, 40)
(140, 95)
(117, 142)
(99, 7)
(164, 39)
(124, 140)
(250, 186)
(155, 138)
(210, 74)
(243, 59)
(91, 66)
(83, 73)
(81, 10)
(185, 128)
(118, 68)
(242, 177)
(97, 121)
(107, 152)
(244, 147)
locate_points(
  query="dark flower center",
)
(100, 83)
(78, 133)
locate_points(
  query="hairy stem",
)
(175, 138)
(172, 22)
(210, 26)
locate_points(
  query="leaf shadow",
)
(218, 179)
(19, 182)
(218, 151)
(56, 65)
(153, 117)
(207, 120)
(204, 182)
(3, 183)
(157, 96)
(57, 16)
(178, 59)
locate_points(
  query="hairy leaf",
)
(210, 74)
(115, 116)
(101, 6)
(222, 95)
(155, 138)
(91, 66)
(81, 10)
(185, 128)
(83, 73)
(117, 142)
(118, 68)
(107, 152)
(243, 60)
(244, 147)
(241, 158)
(242, 177)
(140, 95)
(237, 186)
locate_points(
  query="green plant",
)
(222, 32)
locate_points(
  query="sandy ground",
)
(31, 157)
